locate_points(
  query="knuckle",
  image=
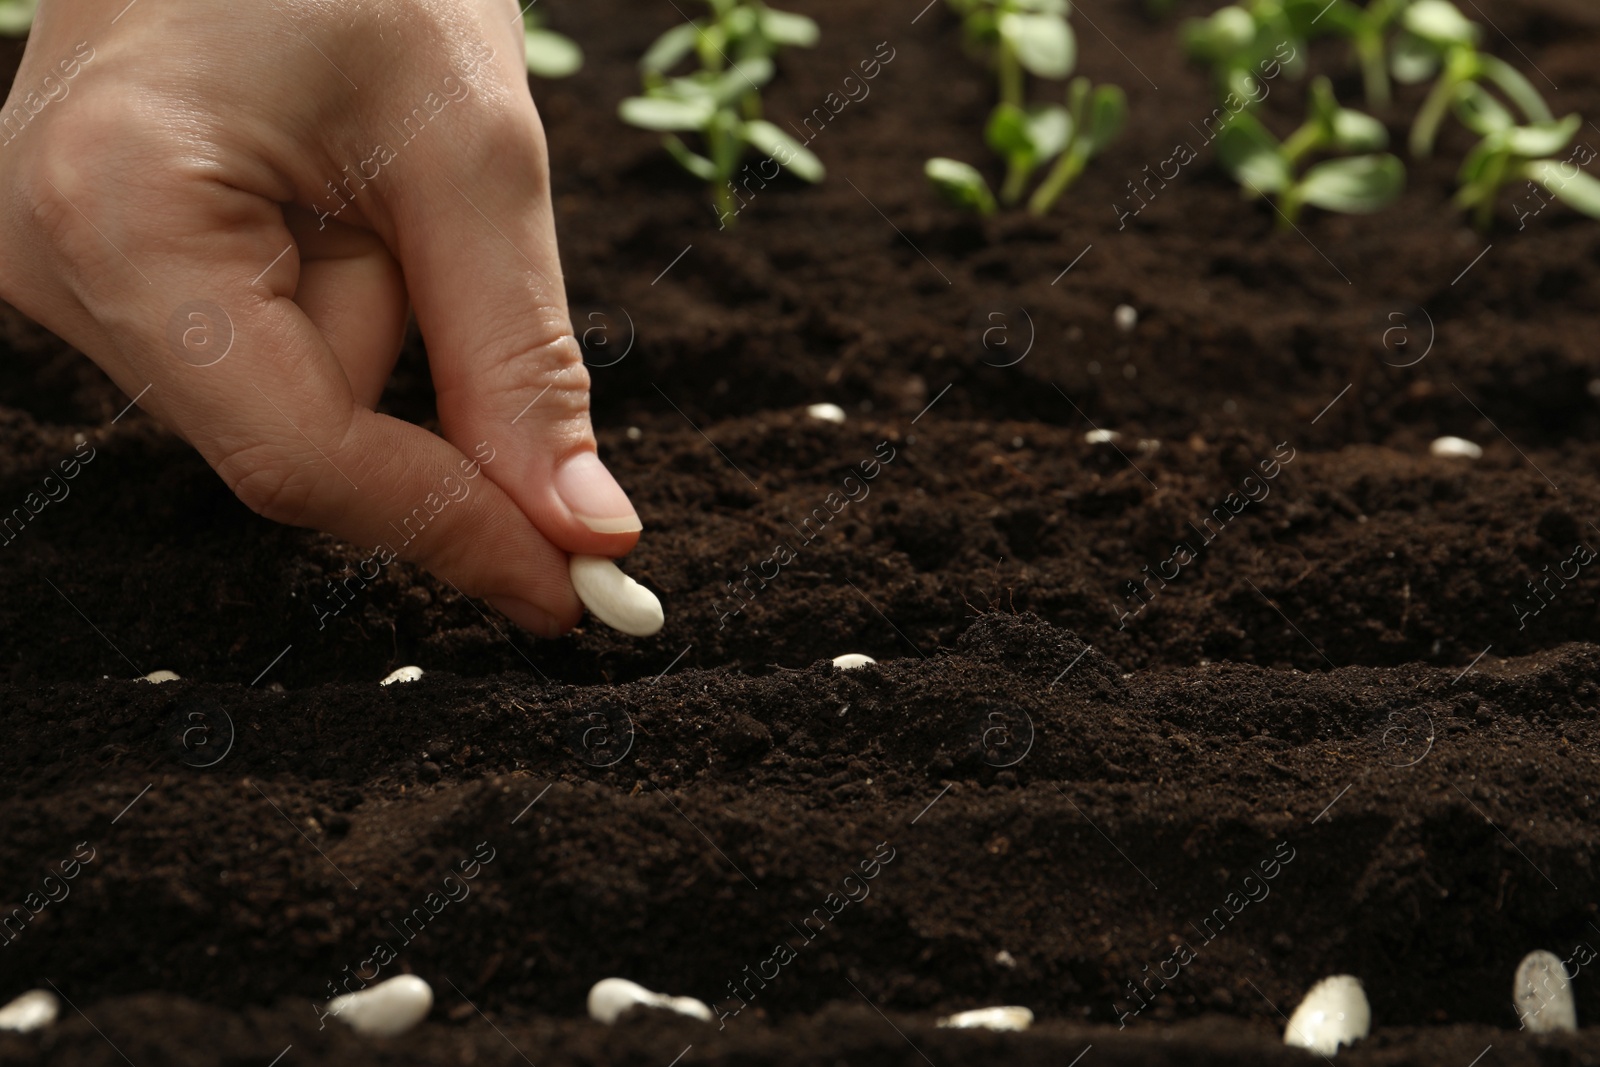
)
(269, 482)
(550, 373)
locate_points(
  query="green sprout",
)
(16, 17)
(1352, 184)
(1509, 153)
(1242, 44)
(547, 53)
(721, 101)
(1024, 37)
(1368, 30)
(1439, 38)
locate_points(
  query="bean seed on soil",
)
(161, 676)
(826, 412)
(1455, 448)
(1126, 317)
(388, 1009)
(1334, 1013)
(614, 598)
(1004, 1018)
(852, 660)
(34, 1010)
(404, 674)
(1100, 437)
(1542, 995)
(610, 997)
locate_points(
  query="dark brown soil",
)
(1338, 685)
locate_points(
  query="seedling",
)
(16, 17)
(1024, 37)
(1242, 44)
(1510, 153)
(1438, 38)
(721, 101)
(1355, 183)
(547, 53)
(1368, 30)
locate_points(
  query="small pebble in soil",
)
(614, 598)
(404, 674)
(826, 412)
(1006, 960)
(1542, 996)
(1334, 1013)
(34, 1010)
(161, 676)
(1100, 437)
(635, 434)
(387, 1009)
(610, 997)
(1006, 1018)
(852, 660)
(1455, 448)
(1126, 317)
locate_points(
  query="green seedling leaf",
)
(788, 153)
(1477, 161)
(1412, 59)
(1440, 22)
(1519, 89)
(1222, 35)
(1356, 131)
(1109, 113)
(961, 184)
(745, 76)
(739, 23)
(1034, 134)
(1577, 189)
(1252, 155)
(16, 16)
(1044, 7)
(1357, 185)
(667, 113)
(1044, 44)
(671, 48)
(1542, 138)
(691, 161)
(786, 28)
(550, 55)
(1482, 113)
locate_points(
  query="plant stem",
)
(1489, 182)
(1010, 76)
(1062, 175)
(1289, 204)
(1461, 66)
(1374, 69)
(1306, 139)
(1016, 179)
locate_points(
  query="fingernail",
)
(594, 497)
(535, 620)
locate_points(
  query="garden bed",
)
(1341, 671)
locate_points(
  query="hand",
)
(227, 205)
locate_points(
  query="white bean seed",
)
(1455, 448)
(161, 676)
(1542, 995)
(1006, 1018)
(404, 674)
(610, 997)
(852, 660)
(826, 412)
(1100, 437)
(614, 598)
(388, 1009)
(1126, 317)
(1334, 1013)
(33, 1010)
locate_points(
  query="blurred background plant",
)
(547, 53)
(1019, 38)
(720, 101)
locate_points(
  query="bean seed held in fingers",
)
(614, 598)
